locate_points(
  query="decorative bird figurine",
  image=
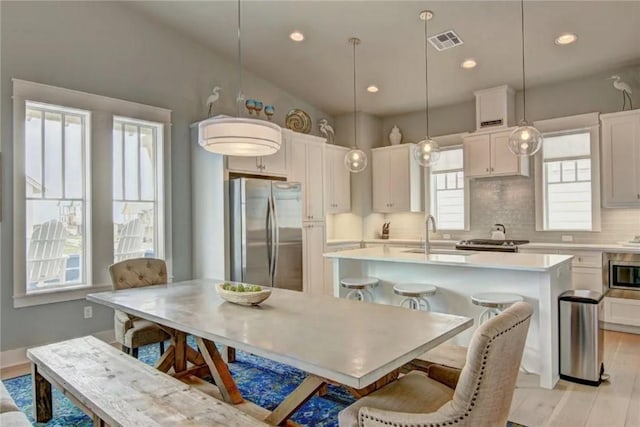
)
(213, 98)
(625, 89)
(326, 130)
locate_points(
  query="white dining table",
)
(334, 340)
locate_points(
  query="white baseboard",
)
(18, 356)
(622, 328)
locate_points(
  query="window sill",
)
(59, 295)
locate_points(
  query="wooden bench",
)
(118, 390)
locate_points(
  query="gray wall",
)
(109, 49)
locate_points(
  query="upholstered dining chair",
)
(479, 395)
(132, 332)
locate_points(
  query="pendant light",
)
(525, 140)
(427, 151)
(239, 136)
(355, 160)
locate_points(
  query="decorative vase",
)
(395, 137)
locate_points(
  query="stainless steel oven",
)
(623, 271)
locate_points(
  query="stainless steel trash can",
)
(581, 336)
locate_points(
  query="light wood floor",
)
(613, 404)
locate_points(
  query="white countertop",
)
(604, 247)
(493, 260)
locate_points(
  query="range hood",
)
(495, 108)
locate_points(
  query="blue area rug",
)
(260, 380)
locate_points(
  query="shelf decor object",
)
(239, 136)
(395, 136)
(427, 151)
(298, 121)
(525, 140)
(355, 160)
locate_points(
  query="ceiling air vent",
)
(446, 40)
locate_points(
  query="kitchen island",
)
(539, 278)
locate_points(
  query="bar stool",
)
(359, 287)
(416, 295)
(494, 302)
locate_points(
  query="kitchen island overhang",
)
(539, 278)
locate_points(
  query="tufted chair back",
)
(138, 272)
(483, 394)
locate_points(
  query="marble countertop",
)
(604, 247)
(492, 260)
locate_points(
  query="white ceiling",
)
(391, 56)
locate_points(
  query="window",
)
(137, 189)
(55, 179)
(88, 188)
(567, 190)
(448, 193)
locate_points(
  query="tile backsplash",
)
(509, 201)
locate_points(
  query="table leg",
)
(42, 402)
(166, 360)
(295, 400)
(219, 371)
(228, 354)
(179, 341)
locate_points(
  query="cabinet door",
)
(297, 171)
(621, 161)
(503, 161)
(586, 278)
(275, 164)
(315, 181)
(476, 156)
(399, 180)
(380, 172)
(313, 263)
(244, 164)
(338, 178)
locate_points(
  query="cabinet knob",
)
(487, 169)
(491, 169)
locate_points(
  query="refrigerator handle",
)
(275, 238)
(269, 234)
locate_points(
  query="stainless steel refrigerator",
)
(265, 218)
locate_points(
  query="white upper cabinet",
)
(273, 165)
(488, 154)
(397, 180)
(621, 159)
(307, 167)
(337, 180)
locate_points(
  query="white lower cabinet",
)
(586, 267)
(312, 258)
(622, 311)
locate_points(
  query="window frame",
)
(449, 142)
(582, 123)
(99, 191)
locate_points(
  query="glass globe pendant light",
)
(525, 140)
(427, 151)
(355, 160)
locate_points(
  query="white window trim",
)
(450, 142)
(102, 109)
(587, 122)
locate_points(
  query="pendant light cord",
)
(240, 96)
(426, 73)
(355, 111)
(524, 86)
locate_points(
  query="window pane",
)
(55, 244)
(147, 182)
(569, 206)
(584, 170)
(441, 181)
(33, 152)
(134, 233)
(117, 162)
(460, 179)
(131, 162)
(449, 159)
(73, 157)
(572, 145)
(568, 171)
(553, 171)
(53, 155)
(452, 178)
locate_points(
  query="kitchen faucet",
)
(427, 246)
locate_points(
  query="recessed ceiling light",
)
(566, 38)
(372, 88)
(296, 36)
(469, 63)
